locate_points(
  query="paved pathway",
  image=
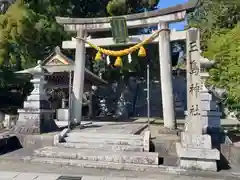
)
(27, 176)
(18, 170)
(113, 127)
(5, 175)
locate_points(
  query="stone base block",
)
(34, 121)
(195, 152)
(206, 165)
(196, 141)
(202, 159)
(23, 129)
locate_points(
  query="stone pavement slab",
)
(5, 175)
(44, 176)
(116, 128)
(52, 171)
(26, 176)
(8, 175)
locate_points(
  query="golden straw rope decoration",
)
(98, 56)
(118, 54)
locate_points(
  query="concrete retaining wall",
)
(230, 156)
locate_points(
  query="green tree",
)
(26, 36)
(121, 7)
(224, 48)
(213, 15)
(220, 41)
(29, 32)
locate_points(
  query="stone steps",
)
(99, 146)
(105, 135)
(106, 140)
(89, 164)
(147, 158)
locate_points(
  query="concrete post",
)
(166, 76)
(78, 78)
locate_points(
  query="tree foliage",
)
(26, 36)
(29, 32)
(121, 7)
(214, 15)
(220, 40)
(224, 48)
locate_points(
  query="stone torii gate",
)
(160, 18)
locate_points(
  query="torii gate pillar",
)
(166, 76)
(78, 78)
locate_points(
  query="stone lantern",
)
(211, 117)
(36, 116)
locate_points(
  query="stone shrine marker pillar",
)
(195, 150)
(193, 121)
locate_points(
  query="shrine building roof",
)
(58, 62)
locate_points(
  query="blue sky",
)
(168, 3)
